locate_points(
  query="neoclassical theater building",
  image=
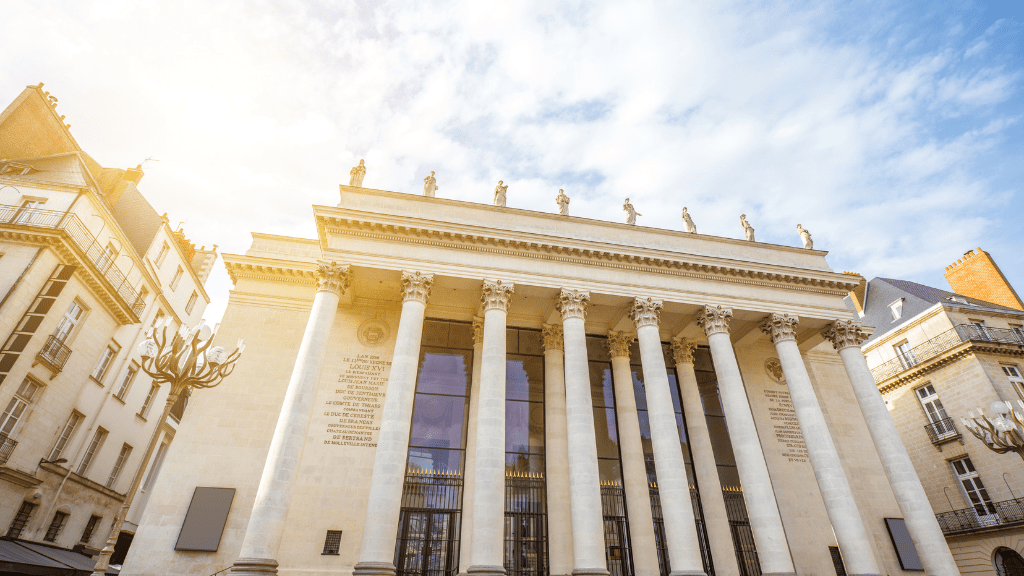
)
(435, 387)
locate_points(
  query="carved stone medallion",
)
(373, 333)
(773, 368)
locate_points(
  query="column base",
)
(485, 570)
(590, 572)
(374, 569)
(688, 573)
(254, 567)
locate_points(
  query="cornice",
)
(272, 269)
(537, 246)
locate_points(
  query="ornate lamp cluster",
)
(1000, 434)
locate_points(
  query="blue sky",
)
(891, 130)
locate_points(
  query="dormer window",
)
(897, 309)
(15, 169)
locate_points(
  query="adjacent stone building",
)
(937, 355)
(86, 267)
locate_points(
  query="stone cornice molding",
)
(478, 330)
(844, 334)
(332, 277)
(496, 295)
(714, 320)
(619, 343)
(416, 286)
(964, 350)
(553, 337)
(572, 304)
(780, 327)
(257, 268)
(683, 349)
(645, 312)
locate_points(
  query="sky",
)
(891, 130)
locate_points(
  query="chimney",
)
(203, 261)
(134, 174)
(976, 275)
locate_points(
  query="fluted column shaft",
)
(676, 505)
(854, 543)
(489, 458)
(262, 540)
(556, 455)
(643, 543)
(466, 543)
(716, 518)
(758, 495)
(924, 529)
(584, 475)
(384, 504)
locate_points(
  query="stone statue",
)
(631, 213)
(806, 237)
(429, 185)
(356, 175)
(563, 203)
(747, 228)
(499, 194)
(690, 226)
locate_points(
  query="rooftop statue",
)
(499, 194)
(806, 237)
(563, 203)
(631, 213)
(747, 228)
(429, 185)
(356, 175)
(690, 226)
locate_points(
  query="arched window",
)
(1008, 562)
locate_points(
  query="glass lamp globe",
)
(148, 349)
(217, 355)
(999, 407)
(1002, 424)
(205, 332)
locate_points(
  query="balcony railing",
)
(945, 341)
(942, 431)
(55, 353)
(83, 238)
(6, 448)
(982, 516)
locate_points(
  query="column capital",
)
(682, 350)
(553, 337)
(714, 320)
(618, 344)
(645, 312)
(478, 330)
(844, 334)
(416, 286)
(780, 327)
(572, 304)
(497, 295)
(332, 277)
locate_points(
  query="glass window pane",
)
(673, 386)
(597, 349)
(432, 460)
(601, 389)
(511, 341)
(524, 378)
(520, 462)
(702, 360)
(720, 440)
(531, 342)
(437, 421)
(639, 392)
(645, 431)
(435, 333)
(517, 426)
(606, 432)
(610, 470)
(729, 476)
(444, 372)
(460, 335)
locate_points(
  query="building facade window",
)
(1016, 380)
(69, 430)
(897, 309)
(973, 489)
(126, 381)
(68, 323)
(905, 354)
(20, 520)
(934, 411)
(103, 364)
(90, 453)
(107, 258)
(56, 525)
(332, 544)
(90, 527)
(16, 407)
(27, 210)
(158, 318)
(122, 456)
(162, 255)
(144, 412)
(191, 302)
(177, 278)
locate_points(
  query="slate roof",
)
(22, 557)
(61, 169)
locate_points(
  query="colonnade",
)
(577, 537)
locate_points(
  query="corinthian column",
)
(762, 509)
(847, 336)
(267, 521)
(384, 504)
(715, 517)
(466, 543)
(842, 510)
(556, 454)
(676, 504)
(634, 470)
(584, 475)
(488, 512)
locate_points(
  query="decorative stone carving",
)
(499, 194)
(355, 176)
(714, 319)
(631, 213)
(416, 286)
(747, 228)
(429, 185)
(496, 295)
(690, 226)
(373, 333)
(553, 338)
(478, 330)
(618, 343)
(773, 367)
(780, 327)
(331, 277)
(563, 202)
(682, 350)
(805, 236)
(844, 333)
(572, 304)
(645, 312)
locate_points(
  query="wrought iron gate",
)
(616, 530)
(526, 524)
(742, 537)
(429, 525)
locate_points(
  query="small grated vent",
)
(332, 544)
(837, 560)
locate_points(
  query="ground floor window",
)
(1008, 562)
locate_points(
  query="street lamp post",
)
(185, 361)
(1000, 434)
